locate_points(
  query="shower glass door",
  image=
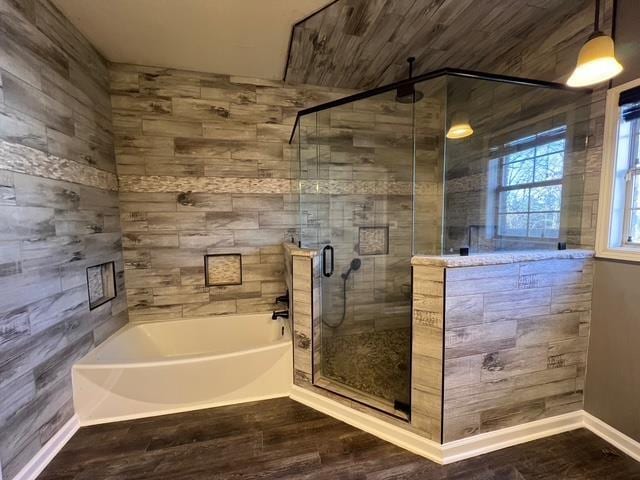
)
(356, 204)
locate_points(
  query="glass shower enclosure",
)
(446, 161)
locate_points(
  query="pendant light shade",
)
(460, 127)
(596, 63)
(596, 60)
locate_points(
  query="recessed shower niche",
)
(223, 269)
(101, 283)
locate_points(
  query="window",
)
(618, 234)
(530, 186)
(630, 166)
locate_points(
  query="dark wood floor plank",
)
(282, 439)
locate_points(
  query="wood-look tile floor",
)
(285, 440)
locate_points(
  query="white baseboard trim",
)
(510, 436)
(616, 438)
(38, 463)
(379, 428)
(473, 446)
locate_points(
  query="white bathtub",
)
(163, 367)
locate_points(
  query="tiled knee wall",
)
(302, 308)
(515, 341)
(426, 350)
(500, 345)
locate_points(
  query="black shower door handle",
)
(326, 249)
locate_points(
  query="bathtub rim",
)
(194, 358)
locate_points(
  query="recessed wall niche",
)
(101, 282)
(223, 269)
(373, 240)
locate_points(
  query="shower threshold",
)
(377, 403)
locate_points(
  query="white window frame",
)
(611, 229)
(500, 188)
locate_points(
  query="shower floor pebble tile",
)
(282, 439)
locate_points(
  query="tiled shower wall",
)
(58, 215)
(357, 195)
(204, 167)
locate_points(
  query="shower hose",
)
(344, 305)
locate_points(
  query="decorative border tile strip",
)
(361, 187)
(469, 183)
(29, 161)
(156, 183)
(165, 183)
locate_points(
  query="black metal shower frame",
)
(453, 72)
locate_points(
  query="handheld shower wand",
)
(354, 266)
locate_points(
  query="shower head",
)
(354, 266)
(408, 93)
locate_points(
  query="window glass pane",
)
(544, 225)
(532, 209)
(545, 199)
(634, 229)
(519, 156)
(536, 225)
(552, 225)
(635, 203)
(549, 167)
(514, 225)
(518, 173)
(513, 201)
(557, 146)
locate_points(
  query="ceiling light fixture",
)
(460, 127)
(596, 60)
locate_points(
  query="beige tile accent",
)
(29, 161)
(223, 270)
(156, 183)
(373, 240)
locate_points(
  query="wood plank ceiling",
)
(364, 43)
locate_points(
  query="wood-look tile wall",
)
(302, 311)
(58, 214)
(516, 340)
(427, 351)
(204, 167)
(357, 170)
(364, 44)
